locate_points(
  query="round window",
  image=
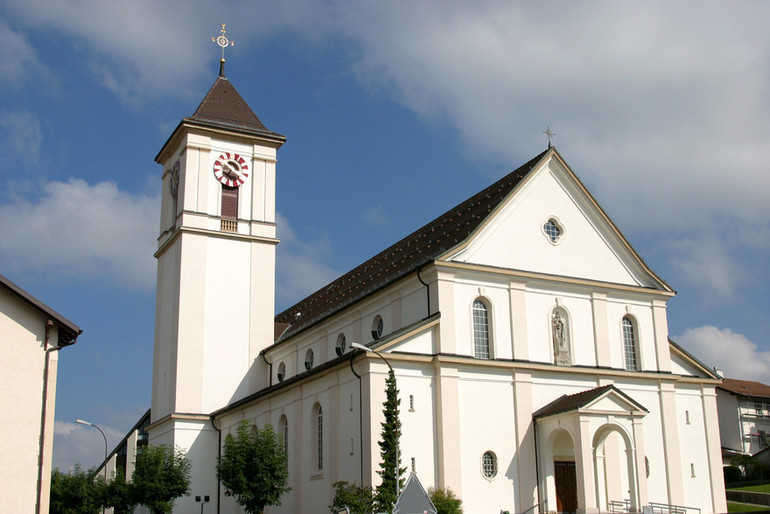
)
(377, 327)
(309, 359)
(341, 344)
(281, 372)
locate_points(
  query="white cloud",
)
(144, 48)
(18, 60)
(78, 230)
(733, 353)
(81, 444)
(669, 113)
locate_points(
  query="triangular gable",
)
(590, 247)
(601, 400)
(684, 363)
(414, 499)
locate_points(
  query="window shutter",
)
(229, 202)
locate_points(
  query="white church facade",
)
(528, 338)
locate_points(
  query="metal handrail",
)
(665, 508)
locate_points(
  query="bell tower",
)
(216, 271)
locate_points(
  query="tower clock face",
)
(175, 179)
(231, 169)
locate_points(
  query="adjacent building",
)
(529, 341)
(31, 335)
(744, 417)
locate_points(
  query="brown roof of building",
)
(68, 331)
(575, 401)
(405, 257)
(223, 106)
(745, 388)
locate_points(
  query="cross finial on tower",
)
(223, 42)
(549, 134)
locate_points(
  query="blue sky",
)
(394, 112)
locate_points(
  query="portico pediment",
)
(605, 400)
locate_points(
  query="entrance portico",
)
(591, 451)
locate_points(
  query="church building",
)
(529, 342)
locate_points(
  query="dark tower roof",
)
(223, 106)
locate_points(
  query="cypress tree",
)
(389, 453)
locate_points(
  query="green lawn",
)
(762, 488)
(741, 507)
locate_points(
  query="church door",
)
(566, 486)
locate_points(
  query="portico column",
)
(584, 462)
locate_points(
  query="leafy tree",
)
(119, 494)
(252, 467)
(391, 433)
(161, 475)
(445, 501)
(76, 492)
(360, 500)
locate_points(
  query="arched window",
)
(629, 344)
(480, 330)
(283, 433)
(318, 440)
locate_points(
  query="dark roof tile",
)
(224, 106)
(406, 256)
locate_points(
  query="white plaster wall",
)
(423, 343)
(681, 367)
(692, 442)
(729, 424)
(225, 337)
(22, 333)
(515, 238)
(167, 303)
(486, 412)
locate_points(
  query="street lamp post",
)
(359, 346)
(82, 422)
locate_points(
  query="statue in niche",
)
(561, 352)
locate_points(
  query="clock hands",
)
(229, 171)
